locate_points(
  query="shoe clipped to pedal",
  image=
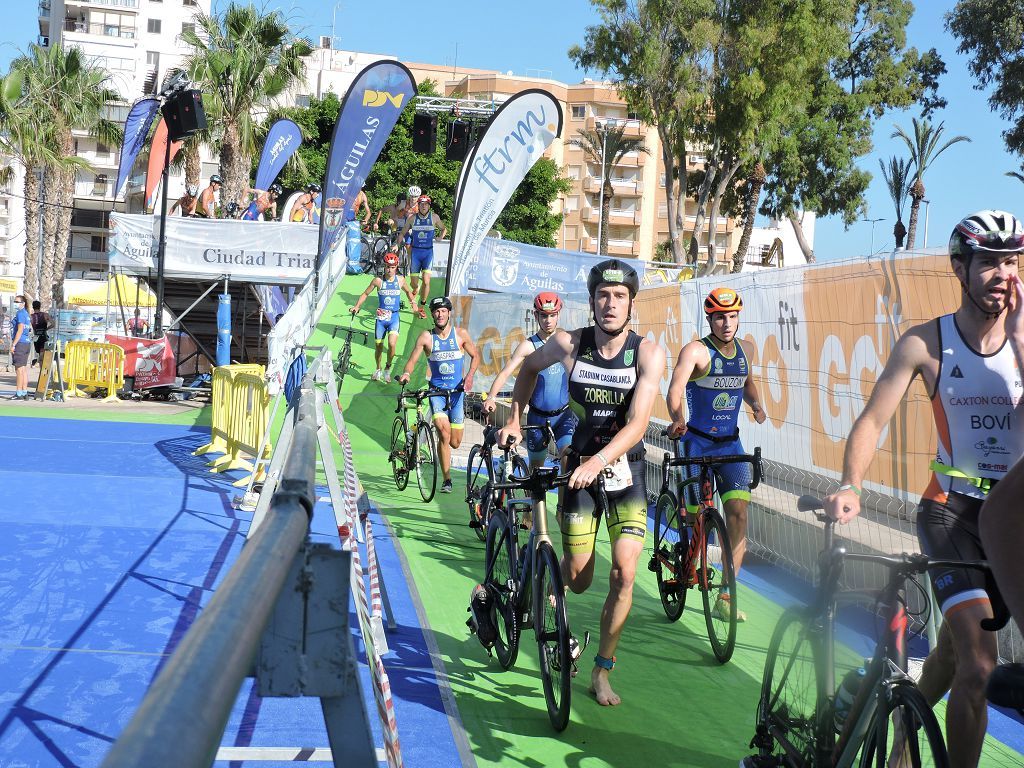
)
(479, 621)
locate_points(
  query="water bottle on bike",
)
(845, 695)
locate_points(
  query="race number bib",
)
(617, 476)
(384, 315)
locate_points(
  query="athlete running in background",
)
(715, 375)
(265, 200)
(614, 376)
(970, 362)
(446, 347)
(393, 215)
(422, 226)
(187, 202)
(305, 204)
(207, 207)
(550, 398)
(389, 300)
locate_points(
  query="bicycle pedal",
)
(476, 522)
(652, 565)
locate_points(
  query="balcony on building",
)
(634, 129)
(83, 25)
(44, 16)
(616, 246)
(128, 4)
(617, 216)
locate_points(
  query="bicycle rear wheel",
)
(551, 625)
(398, 458)
(367, 263)
(670, 545)
(716, 576)
(344, 360)
(503, 568)
(904, 721)
(477, 487)
(787, 709)
(426, 460)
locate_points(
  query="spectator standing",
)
(21, 346)
(41, 325)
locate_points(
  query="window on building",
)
(99, 184)
(632, 116)
(190, 2)
(302, 100)
(188, 26)
(661, 180)
(153, 26)
(663, 211)
(571, 233)
(98, 243)
(102, 149)
(572, 203)
(153, 59)
(573, 171)
(579, 111)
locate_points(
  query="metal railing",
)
(195, 692)
(105, 30)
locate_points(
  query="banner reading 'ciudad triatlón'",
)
(513, 140)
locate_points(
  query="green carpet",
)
(680, 707)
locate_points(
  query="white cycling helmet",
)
(414, 192)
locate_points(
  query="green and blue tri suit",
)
(389, 301)
(713, 403)
(549, 402)
(446, 372)
(600, 394)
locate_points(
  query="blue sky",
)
(533, 37)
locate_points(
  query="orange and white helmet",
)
(722, 300)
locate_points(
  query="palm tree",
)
(606, 147)
(897, 179)
(70, 93)
(1015, 175)
(241, 60)
(924, 150)
(755, 182)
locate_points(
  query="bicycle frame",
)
(888, 666)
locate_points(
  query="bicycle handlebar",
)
(753, 459)
(419, 395)
(350, 331)
(544, 479)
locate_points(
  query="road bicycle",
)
(481, 473)
(797, 723)
(413, 447)
(344, 360)
(524, 586)
(694, 550)
(371, 253)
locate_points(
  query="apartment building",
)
(137, 42)
(638, 216)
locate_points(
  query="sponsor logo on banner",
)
(505, 265)
(380, 98)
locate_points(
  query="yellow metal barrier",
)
(93, 364)
(240, 417)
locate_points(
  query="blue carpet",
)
(113, 538)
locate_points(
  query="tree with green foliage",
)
(61, 91)
(605, 148)
(897, 180)
(924, 149)
(991, 34)
(527, 217)
(242, 60)
(814, 167)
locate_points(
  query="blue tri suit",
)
(446, 365)
(549, 402)
(389, 300)
(422, 253)
(713, 403)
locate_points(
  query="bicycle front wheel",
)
(717, 579)
(344, 360)
(398, 458)
(551, 625)
(670, 545)
(787, 709)
(477, 477)
(904, 732)
(426, 460)
(503, 568)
